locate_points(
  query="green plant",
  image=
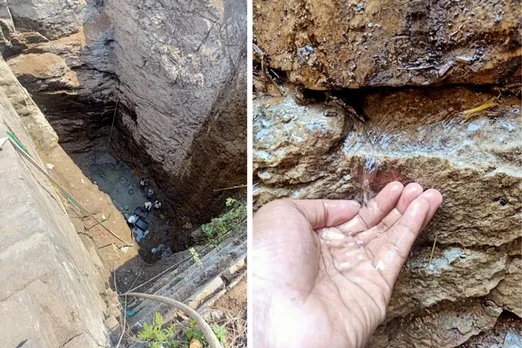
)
(195, 255)
(159, 337)
(194, 332)
(155, 334)
(221, 333)
(229, 222)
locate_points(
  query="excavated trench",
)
(133, 90)
(91, 136)
(137, 91)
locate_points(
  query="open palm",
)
(324, 270)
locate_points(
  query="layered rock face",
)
(182, 68)
(306, 146)
(171, 74)
(348, 44)
(50, 283)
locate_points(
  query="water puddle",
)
(116, 179)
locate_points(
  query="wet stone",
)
(414, 135)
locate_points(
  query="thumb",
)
(326, 213)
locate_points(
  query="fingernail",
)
(396, 187)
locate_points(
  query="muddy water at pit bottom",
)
(117, 180)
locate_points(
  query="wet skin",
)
(324, 270)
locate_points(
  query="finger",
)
(393, 253)
(325, 212)
(376, 210)
(409, 194)
(435, 199)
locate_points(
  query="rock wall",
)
(182, 68)
(50, 286)
(348, 44)
(169, 69)
(307, 145)
(65, 61)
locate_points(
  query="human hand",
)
(324, 270)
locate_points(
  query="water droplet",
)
(344, 265)
(509, 126)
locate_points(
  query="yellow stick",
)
(230, 188)
(488, 104)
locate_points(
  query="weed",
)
(193, 332)
(230, 222)
(159, 337)
(155, 334)
(195, 256)
(221, 333)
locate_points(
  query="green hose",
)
(11, 135)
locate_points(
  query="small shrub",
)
(195, 255)
(194, 332)
(159, 337)
(228, 223)
(155, 334)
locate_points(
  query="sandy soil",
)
(235, 303)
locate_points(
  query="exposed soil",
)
(235, 300)
(234, 303)
(99, 204)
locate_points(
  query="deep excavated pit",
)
(90, 134)
(173, 86)
(92, 148)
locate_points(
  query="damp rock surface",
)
(503, 294)
(449, 325)
(349, 44)
(414, 135)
